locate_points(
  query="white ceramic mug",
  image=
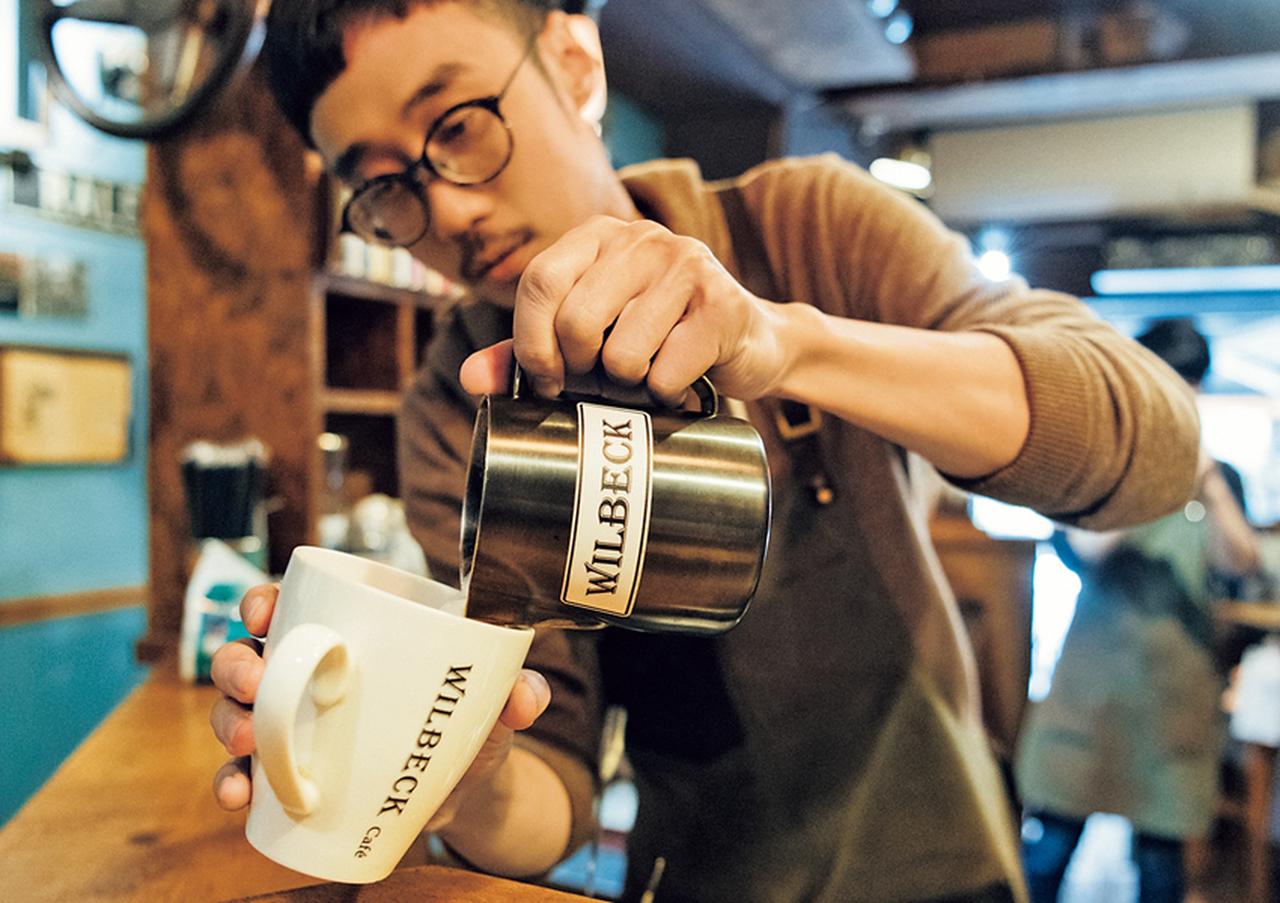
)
(377, 696)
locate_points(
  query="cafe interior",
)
(200, 372)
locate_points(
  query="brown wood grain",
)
(237, 220)
(43, 608)
(229, 218)
(1260, 615)
(423, 884)
(130, 817)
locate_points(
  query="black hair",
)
(1180, 345)
(303, 44)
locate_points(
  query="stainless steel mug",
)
(582, 512)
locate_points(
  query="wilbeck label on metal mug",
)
(611, 509)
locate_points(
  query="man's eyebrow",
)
(436, 82)
(347, 165)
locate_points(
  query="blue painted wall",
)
(71, 529)
(632, 133)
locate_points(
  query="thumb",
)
(529, 699)
(488, 371)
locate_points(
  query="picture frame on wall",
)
(23, 93)
(63, 407)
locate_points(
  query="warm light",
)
(901, 174)
(1187, 280)
(995, 265)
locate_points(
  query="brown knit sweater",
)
(830, 746)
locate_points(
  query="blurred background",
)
(1125, 152)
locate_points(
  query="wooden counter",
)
(1259, 763)
(130, 816)
(1258, 615)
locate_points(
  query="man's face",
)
(403, 73)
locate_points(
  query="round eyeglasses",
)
(468, 144)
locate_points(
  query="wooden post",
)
(231, 218)
(1259, 777)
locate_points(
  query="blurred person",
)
(830, 746)
(1132, 722)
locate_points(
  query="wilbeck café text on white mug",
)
(420, 758)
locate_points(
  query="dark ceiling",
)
(676, 55)
(696, 64)
(1217, 27)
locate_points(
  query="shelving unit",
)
(370, 341)
(254, 334)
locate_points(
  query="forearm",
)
(519, 824)
(1232, 547)
(957, 399)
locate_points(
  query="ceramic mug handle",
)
(309, 658)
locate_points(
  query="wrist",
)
(516, 823)
(482, 808)
(795, 330)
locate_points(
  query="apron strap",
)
(797, 426)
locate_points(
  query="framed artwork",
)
(60, 407)
(22, 83)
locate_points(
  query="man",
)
(1132, 723)
(829, 747)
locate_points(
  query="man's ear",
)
(570, 46)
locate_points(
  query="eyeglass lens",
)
(392, 212)
(470, 145)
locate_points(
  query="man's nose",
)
(455, 209)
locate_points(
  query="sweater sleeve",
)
(1114, 432)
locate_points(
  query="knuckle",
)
(603, 222)
(241, 738)
(665, 386)
(694, 259)
(625, 363)
(220, 665)
(539, 280)
(647, 230)
(577, 325)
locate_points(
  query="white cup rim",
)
(334, 564)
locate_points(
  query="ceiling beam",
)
(1064, 95)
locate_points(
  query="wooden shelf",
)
(313, 351)
(336, 284)
(360, 401)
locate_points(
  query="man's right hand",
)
(237, 669)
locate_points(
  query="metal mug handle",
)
(597, 385)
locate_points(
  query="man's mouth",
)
(479, 261)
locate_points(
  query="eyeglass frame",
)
(409, 175)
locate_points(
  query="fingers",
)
(529, 699)
(488, 371)
(257, 607)
(232, 724)
(625, 267)
(231, 785)
(544, 285)
(622, 293)
(237, 668)
(687, 353)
